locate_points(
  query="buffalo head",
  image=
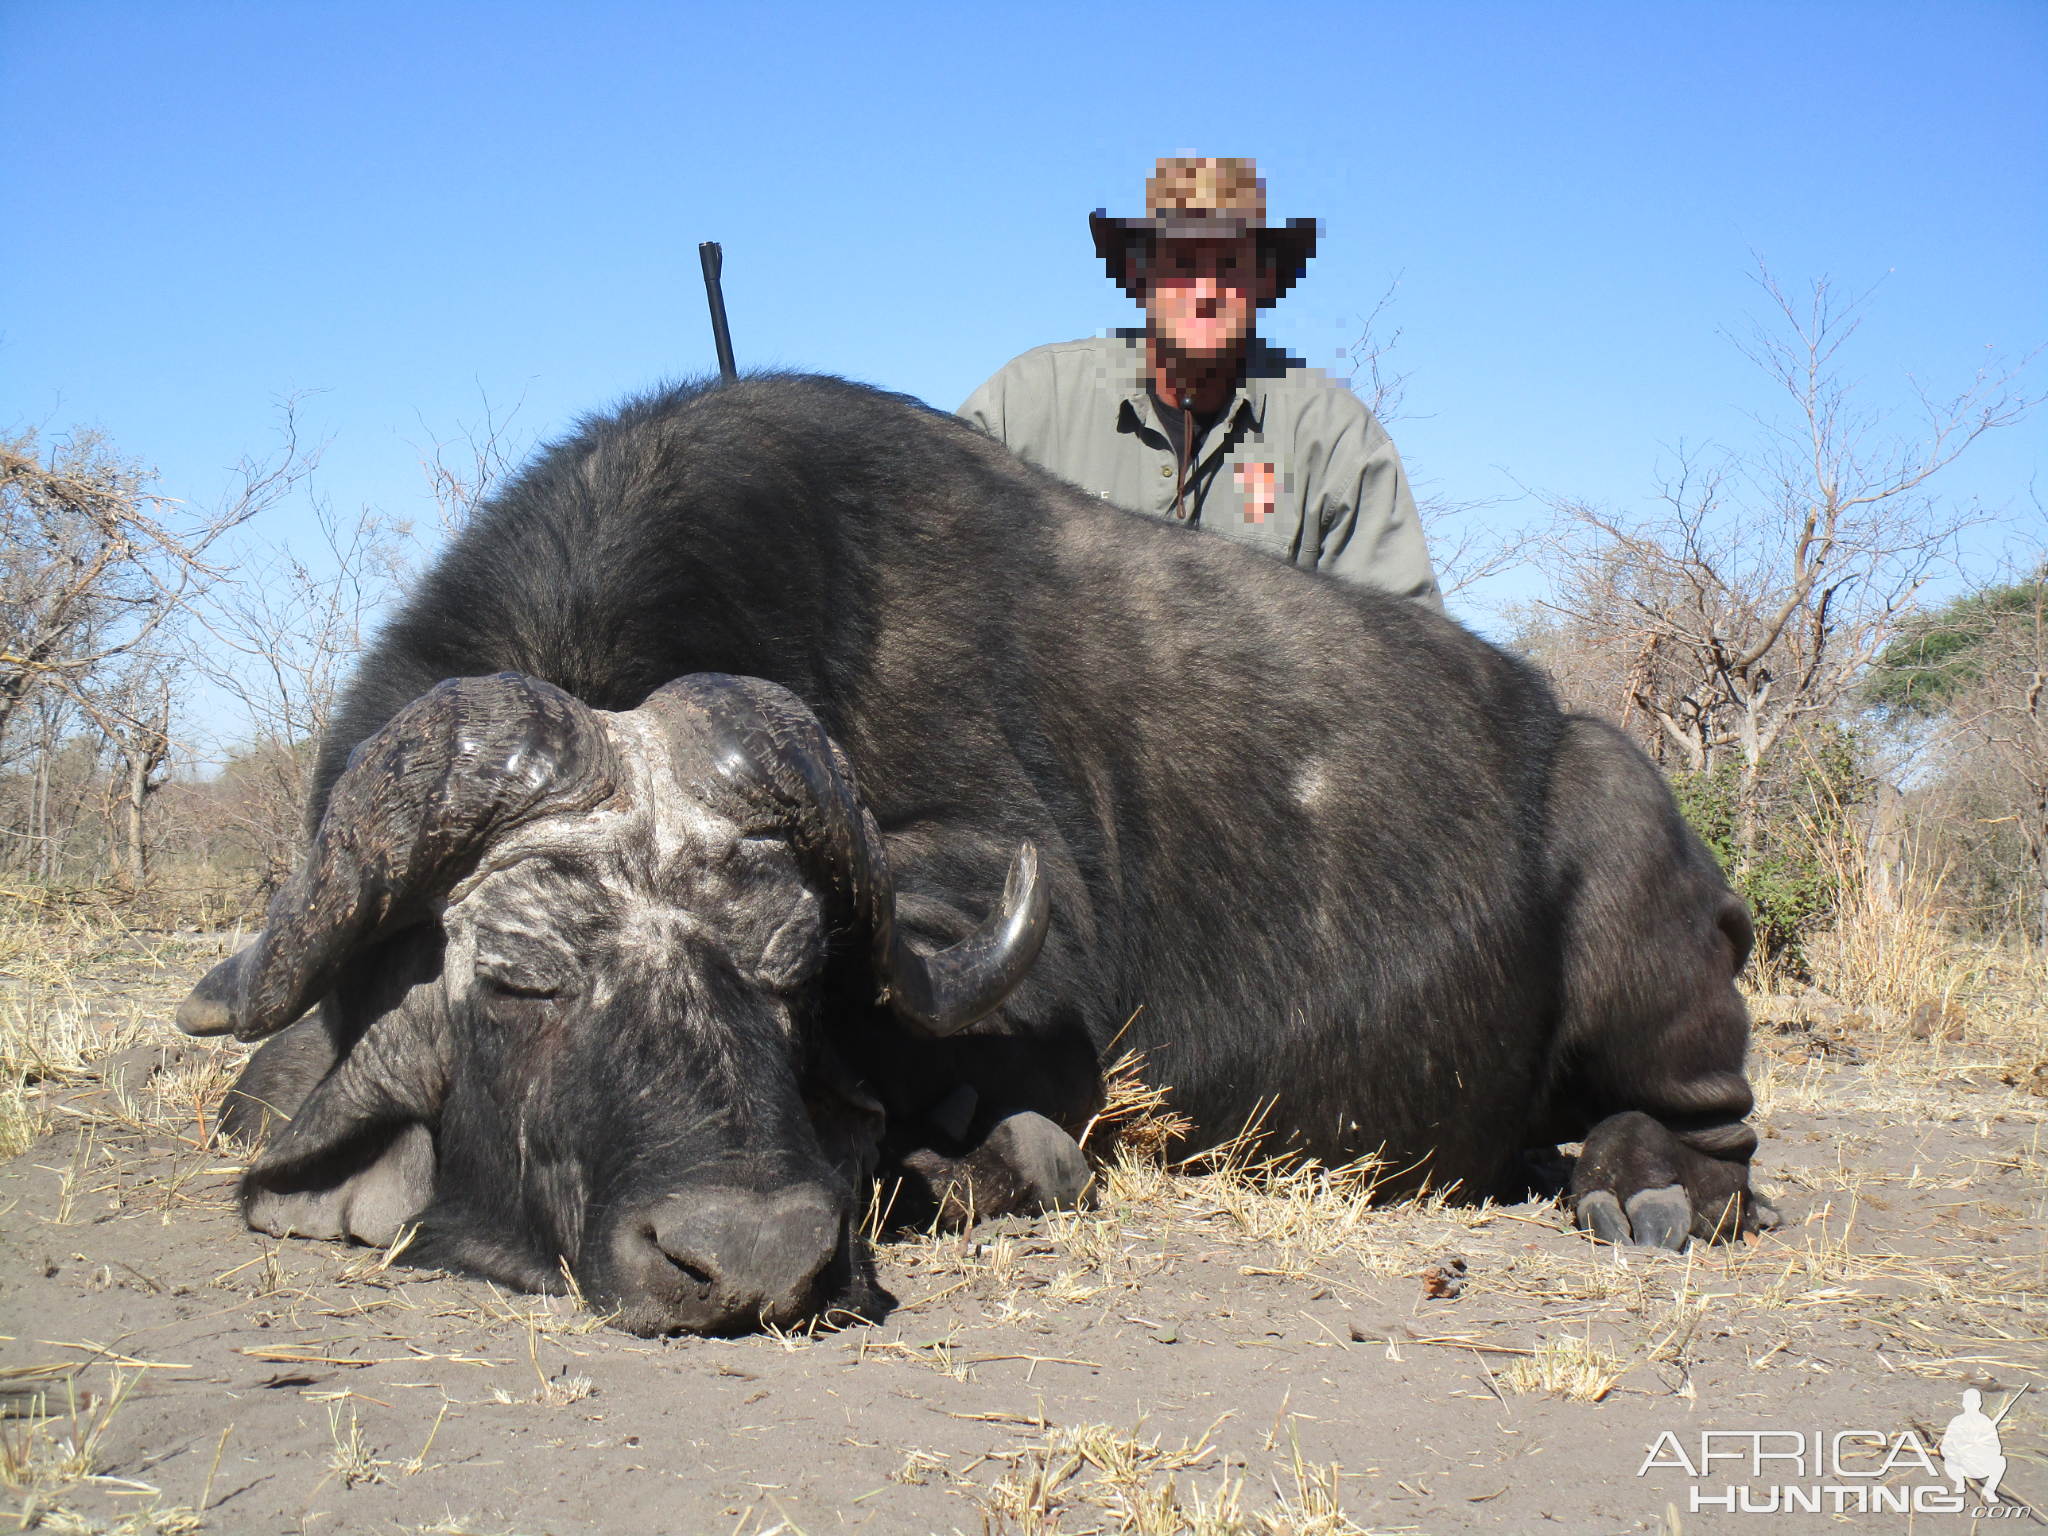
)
(570, 969)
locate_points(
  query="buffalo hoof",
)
(1047, 1161)
(1660, 1218)
(1023, 1164)
(1762, 1214)
(1657, 1188)
(1599, 1213)
(1653, 1218)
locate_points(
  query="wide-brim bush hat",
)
(1193, 198)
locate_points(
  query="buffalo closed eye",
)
(513, 994)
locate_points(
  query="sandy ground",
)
(1263, 1350)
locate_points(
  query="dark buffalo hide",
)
(1351, 869)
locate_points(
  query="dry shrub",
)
(1897, 943)
(1134, 1116)
(1886, 956)
(1893, 942)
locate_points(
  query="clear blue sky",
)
(408, 206)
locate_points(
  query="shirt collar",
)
(1247, 402)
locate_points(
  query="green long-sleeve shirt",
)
(1295, 465)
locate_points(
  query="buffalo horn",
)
(769, 747)
(409, 817)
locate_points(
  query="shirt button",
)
(1166, 470)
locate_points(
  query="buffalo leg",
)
(285, 1069)
(1021, 1162)
(1648, 1063)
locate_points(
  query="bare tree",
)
(133, 713)
(94, 561)
(1464, 547)
(2011, 718)
(1372, 380)
(462, 471)
(97, 570)
(80, 561)
(52, 771)
(1975, 673)
(1751, 602)
(284, 635)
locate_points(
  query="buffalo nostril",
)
(701, 1276)
(737, 1258)
(690, 1266)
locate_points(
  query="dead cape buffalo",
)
(631, 965)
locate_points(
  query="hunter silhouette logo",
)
(1970, 1448)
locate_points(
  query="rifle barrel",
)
(714, 261)
(2010, 1401)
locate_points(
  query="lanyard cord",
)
(1182, 452)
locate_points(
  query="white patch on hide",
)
(1311, 785)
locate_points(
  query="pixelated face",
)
(1201, 295)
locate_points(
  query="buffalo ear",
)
(353, 1156)
(367, 1192)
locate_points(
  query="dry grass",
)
(1096, 1477)
(66, 1001)
(54, 1447)
(566, 1315)
(195, 898)
(1135, 1116)
(172, 1521)
(50, 1452)
(1297, 1221)
(553, 1392)
(458, 1525)
(1297, 1213)
(1575, 1369)
(354, 1460)
(77, 985)
(1883, 959)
